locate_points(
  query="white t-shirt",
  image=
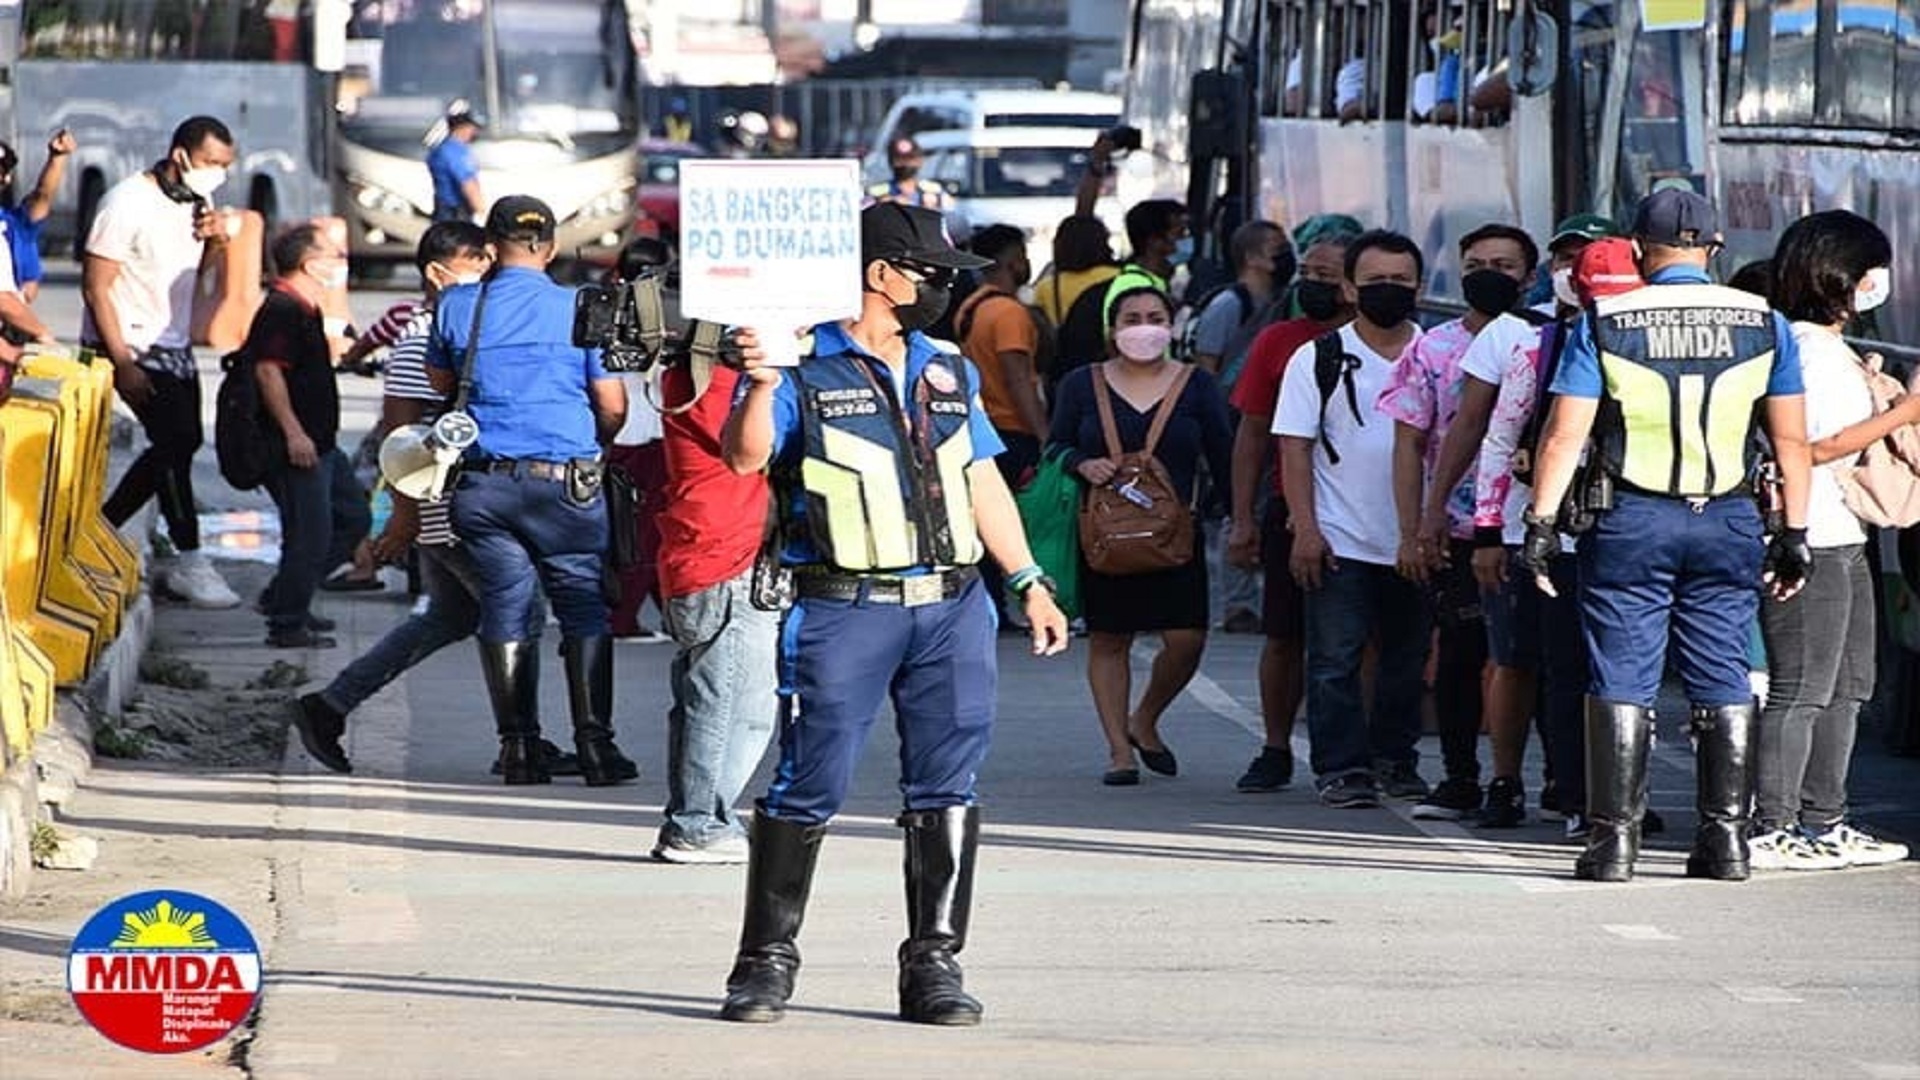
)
(643, 420)
(151, 237)
(1837, 398)
(1353, 500)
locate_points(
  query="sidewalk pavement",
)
(422, 921)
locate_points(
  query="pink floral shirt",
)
(1424, 393)
(1506, 354)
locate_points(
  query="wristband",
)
(1018, 581)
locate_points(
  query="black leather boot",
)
(1723, 784)
(512, 669)
(589, 667)
(779, 878)
(941, 849)
(1618, 740)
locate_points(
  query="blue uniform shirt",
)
(1579, 372)
(830, 339)
(529, 383)
(451, 165)
(23, 243)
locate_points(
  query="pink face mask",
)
(1143, 342)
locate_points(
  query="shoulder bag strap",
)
(1169, 402)
(1103, 400)
(704, 346)
(473, 349)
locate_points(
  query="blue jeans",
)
(323, 517)
(841, 658)
(453, 612)
(725, 682)
(519, 526)
(1358, 603)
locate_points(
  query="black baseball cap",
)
(897, 232)
(463, 116)
(520, 217)
(1677, 218)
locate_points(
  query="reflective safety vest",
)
(1683, 367)
(886, 488)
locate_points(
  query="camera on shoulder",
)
(626, 320)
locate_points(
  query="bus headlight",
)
(610, 204)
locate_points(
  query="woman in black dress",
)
(1172, 603)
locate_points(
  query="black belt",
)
(524, 467)
(914, 591)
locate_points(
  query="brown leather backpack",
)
(1882, 486)
(1136, 523)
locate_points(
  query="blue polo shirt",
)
(1579, 372)
(23, 242)
(832, 340)
(451, 165)
(529, 382)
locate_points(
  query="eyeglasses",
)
(923, 274)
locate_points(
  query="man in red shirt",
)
(1270, 544)
(725, 676)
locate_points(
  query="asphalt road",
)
(428, 923)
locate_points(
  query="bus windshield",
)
(554, 76)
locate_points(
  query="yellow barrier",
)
(89, 537)
(61, 607)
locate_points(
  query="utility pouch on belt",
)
(585, 476)
(771, 586)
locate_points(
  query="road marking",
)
(1637, 932)
(1762, 995)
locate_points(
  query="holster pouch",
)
(771, 586)
(585, 478)
(623, 517)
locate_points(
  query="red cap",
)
(1605, 268)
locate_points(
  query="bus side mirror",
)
(1533, 53)
(330, 18)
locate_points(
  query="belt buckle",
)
(921, 590)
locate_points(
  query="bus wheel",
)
(93, 187)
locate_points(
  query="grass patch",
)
(44, 841)
(118, 742)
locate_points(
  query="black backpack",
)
(246, 444)
(1334, 366)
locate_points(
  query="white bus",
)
(551, 80)
(1775, 109)
(120, 74)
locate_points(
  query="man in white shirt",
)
(1336, 456)
(142, 260)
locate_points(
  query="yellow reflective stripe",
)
(1646, 412)
(953, 457)
(1689, 409)
(888, 534)
(846, 521)
(1729, 418)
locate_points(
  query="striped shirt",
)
(407, 379)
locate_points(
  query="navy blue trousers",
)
(840, 659)
(1654, 570)
(516, 527)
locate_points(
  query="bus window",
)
(1660, 136)
(1791, 56)
(1907, 107)
(1866, 33)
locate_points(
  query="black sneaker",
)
(320, 729)
(1550, 809)
(1271, 771)
(1506, 806)
(1401, 780)
(1652, 824)
(1350, 791)
(1455, 798)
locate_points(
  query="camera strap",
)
(704, 346)
(473, 349)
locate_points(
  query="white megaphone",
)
(415, 459)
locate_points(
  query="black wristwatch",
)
(1045, 581)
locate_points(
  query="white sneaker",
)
(1789, 849)
(723, 852)
(1860, 848)
(193, 579)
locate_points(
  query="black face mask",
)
(1386, 304)
(1490, 292)
(1319, 300)
(930, 301)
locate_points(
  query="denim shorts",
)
(1514, 634)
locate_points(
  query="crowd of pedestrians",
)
(1512, 514)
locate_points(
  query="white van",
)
(917, 115)
(1023, 177)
